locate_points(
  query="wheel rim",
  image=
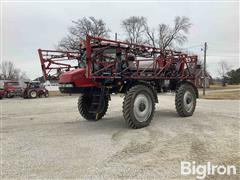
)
(142, 107)
(33, 94)
(188, 101)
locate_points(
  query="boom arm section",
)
(54, 63)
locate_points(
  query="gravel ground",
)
(47, 138)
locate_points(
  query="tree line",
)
(10, 72)
(228, 75)
(136, 31)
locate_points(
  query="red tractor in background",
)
(35, 89)
(12, 88)
(103, 67)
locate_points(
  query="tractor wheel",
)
(185, 100)
(32, 94)
(138, 106)
(25, 96)
(91, 107)
(9, 95)
(46, 94)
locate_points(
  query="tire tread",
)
(179, 102)
(127, 106)
(83, 99)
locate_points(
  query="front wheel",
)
(92, 106)
(185, 100)
(9, 95)
(138, 106)
(32, 94)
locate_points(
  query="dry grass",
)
(55, 93)
(58, 93)
(218, 87)
(234, 95)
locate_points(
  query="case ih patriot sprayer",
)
(103, 67)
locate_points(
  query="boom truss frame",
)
(159, 63)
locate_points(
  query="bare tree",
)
(134, 27)
(23, 76)
(168, 36)
(150, 33)
(223, 68)
(82, 27)
(69, 42)
(9, 71)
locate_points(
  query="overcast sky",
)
(29, 26)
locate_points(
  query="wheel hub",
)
(188, 101)
(33, 94)
(142, 107)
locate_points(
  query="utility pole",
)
(204, 68)
(115, 36)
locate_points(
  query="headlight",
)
(66, 85)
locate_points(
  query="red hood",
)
(77, 77)
(71, 76)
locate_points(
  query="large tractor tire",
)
(32, 94)
(92, 107)
(185, 100)
(42, 94)
(139, 106)
(9, 95)
(46, 94)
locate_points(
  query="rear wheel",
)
(9, 95)
(185, 100)
(32, 94)
(41, 94)
(92, 106)
(139, 106)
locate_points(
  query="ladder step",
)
(97, 95)
(95, 103)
